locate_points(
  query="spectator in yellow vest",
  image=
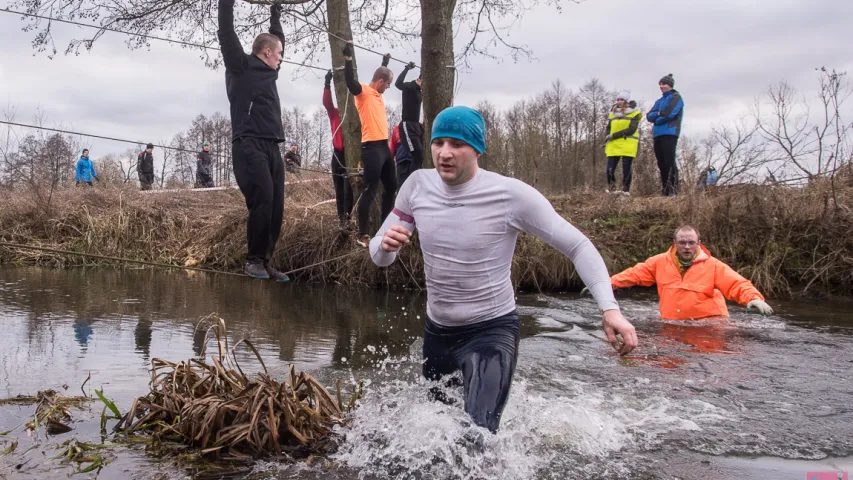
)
(623, 140)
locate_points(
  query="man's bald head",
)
(382, 79)
(685, 229)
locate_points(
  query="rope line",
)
(167, 265)
(108, 29)
(165, 147)
(57, 130)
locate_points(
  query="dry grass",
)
(786, 240)
(226, 414)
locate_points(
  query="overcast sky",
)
(722, 53)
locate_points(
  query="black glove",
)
(275, 10)
(348, 49)
(410, 65)
(385, 59)
(328, 79)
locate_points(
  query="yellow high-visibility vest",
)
(623, 147)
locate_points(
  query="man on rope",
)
(145, 167)
(343, 189)
(376, 157)
(402, 155)
(691, 283)
(257, 131)
(411, 130)
(468, 220)
(204, 164)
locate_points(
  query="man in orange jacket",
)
(691, 283)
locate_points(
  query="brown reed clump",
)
(226, 414)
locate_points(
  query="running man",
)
(376, 156)
(468, 221)
(250, 81)
(411, 130)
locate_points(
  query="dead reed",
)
(217, 408)
(786, 240)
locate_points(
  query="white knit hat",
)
(624, 95)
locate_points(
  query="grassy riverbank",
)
(787, 241)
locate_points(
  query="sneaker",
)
(276, 275)
(256, 270)
(627, 194)
(364, 241)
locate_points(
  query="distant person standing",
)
(411, 131)
(292, 158)
(708, 178)
(85, 171)
(145, 167)
(666, 115)
(340, 178)
(250, 82)
(623, 140)
(203, 177)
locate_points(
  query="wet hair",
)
(383, 73)
(263, 41)
(686, 228)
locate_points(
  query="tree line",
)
(552, 140)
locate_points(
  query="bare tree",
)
(809, 149)
(736, 151)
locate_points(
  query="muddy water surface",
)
(746, 398)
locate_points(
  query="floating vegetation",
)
(74, 451)
(218, 409)
(52, 410)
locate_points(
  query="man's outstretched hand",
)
(615, 324)
(348, 51)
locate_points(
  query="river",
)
(748, 398)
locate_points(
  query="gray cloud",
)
(722, 53)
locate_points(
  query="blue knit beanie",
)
(461, 123)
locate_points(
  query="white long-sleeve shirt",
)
(468, 233)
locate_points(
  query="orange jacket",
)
(698, 293)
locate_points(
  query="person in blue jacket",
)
(666, 115)
(85, 170)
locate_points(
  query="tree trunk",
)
(437, 61)
(339, 24)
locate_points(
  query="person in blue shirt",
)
(85, 170)
(708, 178)
(666, 115)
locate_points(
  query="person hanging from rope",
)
(203, 177)
(376, 156)
(468, 221)
(145, 167)
(343, 189)
(85, 170)
(257, 131)
(411, 130)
